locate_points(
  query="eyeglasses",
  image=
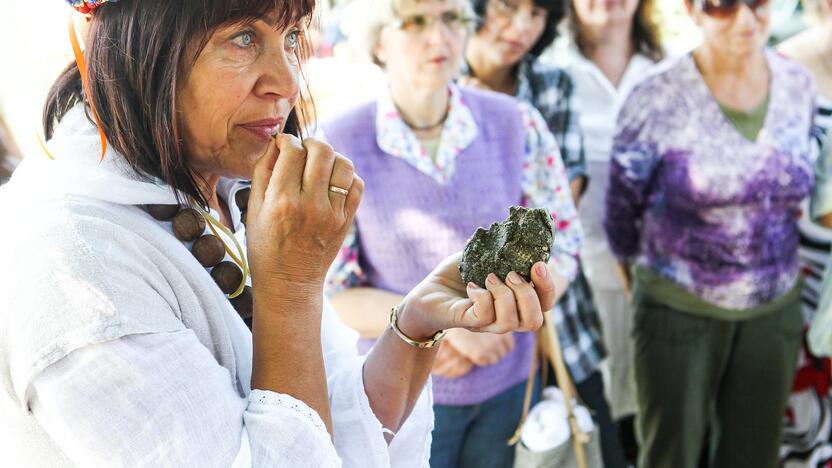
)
(417, 24)
(726, 8)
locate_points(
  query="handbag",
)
(582, 449)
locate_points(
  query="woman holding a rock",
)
(709, 166)
(120, 342)
(441, 161)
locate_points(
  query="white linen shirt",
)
(117, 349)
(599, 102)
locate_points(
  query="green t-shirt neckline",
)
(747, 122)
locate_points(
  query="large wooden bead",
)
(241, 198)
(188, 224)
(208, 250)
(244, 303)
(228, 276)
(162, 212)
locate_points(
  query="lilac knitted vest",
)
(408, 222)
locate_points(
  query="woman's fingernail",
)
(492, 278)
(541, 269)
(473, 285)
(514, 278)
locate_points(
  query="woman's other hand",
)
(483, 349)
(450, 363)
(296, 224)
(441, 301)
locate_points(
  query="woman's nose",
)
(279, 76)
(745, 15)
(436, 32)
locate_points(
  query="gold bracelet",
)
(430, 343)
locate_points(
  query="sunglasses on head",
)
(725, 8)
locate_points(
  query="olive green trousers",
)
(730, 379)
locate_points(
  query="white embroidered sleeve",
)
(162, 400)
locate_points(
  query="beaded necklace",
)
(197, 229)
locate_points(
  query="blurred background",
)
(36, 48)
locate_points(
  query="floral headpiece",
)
(87, 7)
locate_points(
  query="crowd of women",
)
(165, 211)
(688, 176)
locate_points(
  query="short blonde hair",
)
(363, 20)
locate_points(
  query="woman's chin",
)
(245, 171)
(243, 167)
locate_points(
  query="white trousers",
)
(616, 315)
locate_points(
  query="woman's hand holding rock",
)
(441, 301)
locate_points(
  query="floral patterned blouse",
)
(544, 181)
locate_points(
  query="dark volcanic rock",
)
(515, 244)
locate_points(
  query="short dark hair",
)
(645, 33)
(139, 54)
(555, 9)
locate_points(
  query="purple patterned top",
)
(698, 203)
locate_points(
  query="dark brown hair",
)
(139, 53)
(555, 10)
(645, 34)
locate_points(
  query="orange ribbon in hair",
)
(82, 68)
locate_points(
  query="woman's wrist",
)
(286, 289)
(413, 324)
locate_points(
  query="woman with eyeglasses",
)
(709, 166)
(440, 161)
(503, 56)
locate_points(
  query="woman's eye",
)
(414, 23)
(244, 39)
(293, 39)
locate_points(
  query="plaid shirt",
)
(579, 330)
(550, 91)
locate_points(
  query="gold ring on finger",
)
(339, 190)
